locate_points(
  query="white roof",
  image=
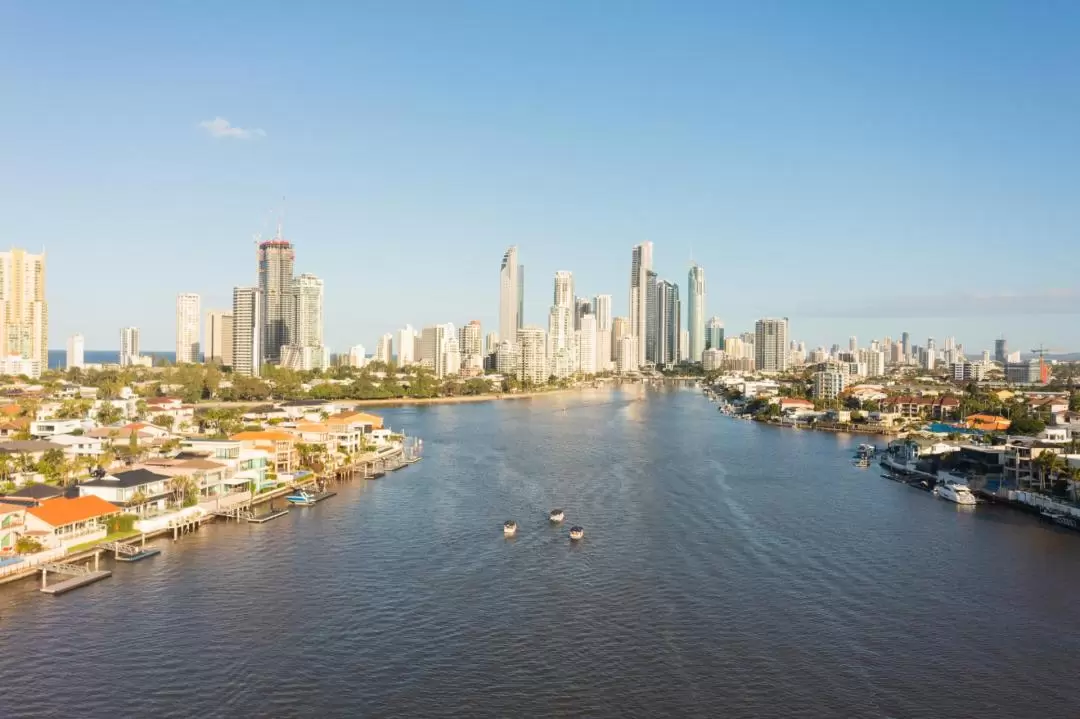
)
(72, 439)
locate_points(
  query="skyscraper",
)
(714, 334)
(652, 318)
(405, 341)
(357, 357)
(384, 348)
(905, 344)
(76, 349)
(248, 331)
(470, 340)
(303, 306)
(582, 307)
(601, 307)
(695, 320)
(187, 328)
(587, 345)
(217, 347)
(24, 313)
(521, 296)
(620, 327)
(1001, 350)
(510, 297)
(534, 362)
(668, 325)
(129, 346)
(853, 343)
(564, 289)
(276, 258)
(640, 265)
(770, 344)
(433, 348)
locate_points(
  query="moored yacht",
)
(301, 497)
(509, 528)
(556, 515)
(576, 533)
(955, 492)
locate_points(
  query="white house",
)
(137, 491)
(47, 428)
(79, 445)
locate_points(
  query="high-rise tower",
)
(640, 265)
(187, 328)
(695, 320)
(24, 314)
(276, 260)
(247, 331)
(510, 297)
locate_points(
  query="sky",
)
(862, 168)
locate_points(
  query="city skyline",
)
(826, 137)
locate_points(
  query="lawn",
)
(114, 537)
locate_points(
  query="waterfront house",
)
(1020, 456)
(137, 491)
(796, 407)
(912, 407)
(248, 467)
(66, 522)
(12, 519)
(311, 410)
(280, 445)
(34, 494)
(210, 477)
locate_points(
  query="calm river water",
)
(728, 569)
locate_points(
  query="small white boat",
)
(576, 533)
(556, 515)
(302, 498)
(509, 528)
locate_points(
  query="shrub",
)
(27, 545)
(122, 523)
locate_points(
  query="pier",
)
(78, 576)
(129, 552)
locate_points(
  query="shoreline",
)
(404, 401)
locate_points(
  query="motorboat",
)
(556, 515)
(301, 497)
(576, 533)
(955, 492)
(509, 528)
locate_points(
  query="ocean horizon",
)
(58, 358)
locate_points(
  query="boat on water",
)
(301, 497)
(1061, 518)
(556, 515)
(862, 462)
(955, 492)
(509, 528)
(576, 533)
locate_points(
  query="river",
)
(728, 569)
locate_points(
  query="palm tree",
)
(1072, 479)
(5, 466)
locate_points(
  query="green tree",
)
(1026, 426)
(52, 465)
(108, 414)
(165, 421)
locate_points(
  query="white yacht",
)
(556, 515)
(576, 533)
(509, 528)
(955, 492)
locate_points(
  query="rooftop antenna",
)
(281, 219)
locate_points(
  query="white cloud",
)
(220, 127)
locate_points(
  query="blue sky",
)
(863, 168)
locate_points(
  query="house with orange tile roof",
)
(63, 522)
(279, 444)
(352, 430)
(987, 422)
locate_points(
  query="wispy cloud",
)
(220, 127)
(952, 304)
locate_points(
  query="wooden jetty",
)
(78, 575)
(130, 552)
(267, 516)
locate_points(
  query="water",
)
(58, 358)
(728, 569)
